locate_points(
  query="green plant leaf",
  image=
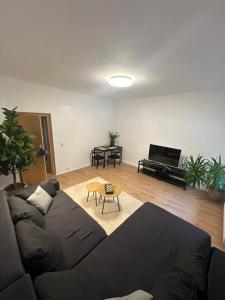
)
(216, 175)
(19, 153)
(196, 170)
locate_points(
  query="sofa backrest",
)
(11, 267)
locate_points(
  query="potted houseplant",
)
(113, 136)
(196, 170)
(215, 182)
(16, 148)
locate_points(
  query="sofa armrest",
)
(11, 267)
(216, 286)
(55, 182)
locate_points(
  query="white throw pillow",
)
(40, 199)
(138, 295)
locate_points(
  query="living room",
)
(60, 59)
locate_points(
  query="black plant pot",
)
(216, 196)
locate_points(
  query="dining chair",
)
(96, 157)
(114, 156)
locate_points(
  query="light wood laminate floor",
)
(191, 205)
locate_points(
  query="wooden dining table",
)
(105, 149)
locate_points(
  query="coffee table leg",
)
(118, 202)
(103, 205)
(96, 198)
(88, 195)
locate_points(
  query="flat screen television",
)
(164, 155)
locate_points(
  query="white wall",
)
(79, 121)
(193, 122)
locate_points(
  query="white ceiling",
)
(168, 46)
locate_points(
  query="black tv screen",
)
(164, 155)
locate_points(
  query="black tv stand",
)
(161, 171)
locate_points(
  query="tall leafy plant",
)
(196, 171)
(16, 146)
(216, 175)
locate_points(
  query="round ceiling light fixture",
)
(120, 81)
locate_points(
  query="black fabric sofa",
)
(78, 232)
(133, 257)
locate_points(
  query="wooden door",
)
(32, 124)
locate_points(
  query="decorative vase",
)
(112, 141)
(216, 196)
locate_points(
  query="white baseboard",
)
(75, 169)
(131, 164)
(85, 166)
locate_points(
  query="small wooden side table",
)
(116, 192)
(93, 187)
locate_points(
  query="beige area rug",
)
(111, 218)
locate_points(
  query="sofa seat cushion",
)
(194, 259)
(132, 258)
(216, 275)
(21, 289)
(186, 279)
(41, 250)
(176, 284)
(79, 233)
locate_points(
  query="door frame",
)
(50, 134)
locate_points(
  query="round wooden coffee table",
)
(116, 192)
(93, 187)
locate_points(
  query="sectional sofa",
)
(152, 250)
